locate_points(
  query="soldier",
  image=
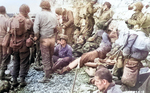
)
(105, 15)
(145, 21)
(89, 20)
(4, 56)
(129, 50)
(103, 80)
(22, 32)
(133, 21)
(100, 52)
(103, 20)
(68, 22)
(47, 22)
(62, 53)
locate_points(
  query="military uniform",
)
(89, 21)
(68, 22)
(135, 18)
(22, 31)
(104, 17)
(4, 56)
(145, 23)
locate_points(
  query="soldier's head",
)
(113, 30)
(94, 1)
(63, 39)
(106, 6)
(24, 10)
(45, 5)
(102, 78)
(2, 10)
(60, 11)
(147, 6)
(138, 6)
(76, 33)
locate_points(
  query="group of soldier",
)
(121, 50)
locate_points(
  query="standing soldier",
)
(4, 56)
(21, 30)
(133, 21)
(68, 22)
(87, 31)
(145, 21)
(105, 16)
(103, 19)
(44, 25)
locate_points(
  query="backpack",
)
(19, 28)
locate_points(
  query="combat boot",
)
(64, 70)
(47, 76)
(22, 82)
(38, 68)
(2, 74)
(15, 82)
(56, 66)
(44, 80)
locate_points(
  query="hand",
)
(60, 59)
(64, 27)
(35, 38)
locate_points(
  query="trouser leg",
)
(47, 53)
(55, 58)
(24, 63)
(1, 54)
(61, 63)
(16, 65)
(5, 62)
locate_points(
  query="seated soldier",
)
(129, 50)
(103, 80)
(101, 52)
(62, 53)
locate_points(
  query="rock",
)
(4, 86)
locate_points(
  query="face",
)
(99, 83)
(104, 7)
(62, 41)
(93, 2)
(134, 8)
(114, 31)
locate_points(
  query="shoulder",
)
(69, 12)
(58, 46)
(69, 47)
(110, 11)
(114, 89)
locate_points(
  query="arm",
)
(69, 52)
(36, 27)
(91, 64)
(134, 21)
(56, 50)
(71, 19)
